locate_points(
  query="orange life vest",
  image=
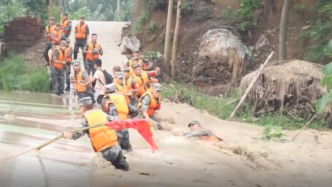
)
(49, 29)
(101, 137)
(122, 89)
(80, 31)
(78, 77)
(131, 62)
(57, 37)
(67, 51)
(64, 24)
(155, 103)
(142, 81)
(120, 103)
(210, 138)
(131, 70)
(90, 55)
(60, 58)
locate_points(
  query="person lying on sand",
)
(199, 132)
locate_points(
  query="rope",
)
(16, 155)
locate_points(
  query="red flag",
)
(141, 125)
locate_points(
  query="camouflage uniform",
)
(144, 108)
(57, 76)
(68, 28)
(68, 70)
(113, 154)
(198, 133)
(80, 43)
(88, 92)
(123, 135)
(88, 64)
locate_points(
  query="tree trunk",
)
(168, 31)
(50, 8)
(139, 7)
(175, 41)
(283, 31)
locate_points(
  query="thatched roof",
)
(215, 44)
(296, 78)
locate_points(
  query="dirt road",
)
(179, 162)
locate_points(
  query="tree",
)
(168, 30)
(283, 31)
(176, 36)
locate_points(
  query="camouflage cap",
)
(135, 58)
(67, 40)
(125, 69)
(51, 18)
(157, 86)
(194, 122)
(76, 63)
(63, 43)
(58, 25)
(136, 66)
(110, 88)
(85, 101)
(119, 75)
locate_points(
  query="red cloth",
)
(141, 125)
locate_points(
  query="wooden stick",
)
(259, 71)
(304, 127)
(59, 137)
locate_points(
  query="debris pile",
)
(292, 87)
(221, 61)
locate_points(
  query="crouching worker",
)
(81, 76)
(197, 131)
(115, 105)
(149, 103)
(103, 139)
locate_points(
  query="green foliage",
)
(299, 7)
(319, 34)
(242, 18)
(15, 73)
(38, 8)
(10, 9)
(153, 26)
(271, 132)
(327, 82)
(152, 54)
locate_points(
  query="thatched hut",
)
(292, 87)
(221, 58)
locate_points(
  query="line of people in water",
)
(132, 91)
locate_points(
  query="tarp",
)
(141, 125)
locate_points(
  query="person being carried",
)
(57, 36)
(99, 78)
(120, 86)
(149, 103)
(81, 76)
(115, 105)
(197, 131)
(103, 139)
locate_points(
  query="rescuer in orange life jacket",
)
(199, 132)
(103, 139)
(115, 105)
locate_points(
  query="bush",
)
(16, 74)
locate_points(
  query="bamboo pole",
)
(50, 8)
(176, 36)
(304, 126)
(259, 72)
(59, 137)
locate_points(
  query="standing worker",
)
(81, 36)
(149, 103)
(115, 105)
(99, 78)
(66, 26)
(120, 86)
(57, 68)
(57, 35)
(48, 45)
(92, 51)
(131, 85)
(81, 76)
(143, 78)
(69, 59)
(103, 139)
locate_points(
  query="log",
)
(259, 72)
